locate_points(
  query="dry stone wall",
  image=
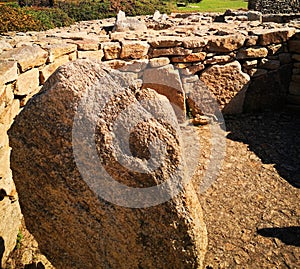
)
(271, 6)
(248, 65)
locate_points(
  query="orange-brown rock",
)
(74, 226)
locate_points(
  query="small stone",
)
(27, 82)
(111, 50)
(176, 51)
(226, 43)
(257, 72)
(165, 42)
(250, 64)
(219, 59)
(27, 56)
(58, 50)
(91, 55)
(274, 49)
(194, 42)
(274, 36)
(194, 57)
(248, 53)
(200, 120)
(8, 71)
(254, 16)
(251, 40)
(157, 62)
(134, 49)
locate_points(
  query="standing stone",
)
(228, 83)
(64, 210)
(124, 24)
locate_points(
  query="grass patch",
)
(214, 6)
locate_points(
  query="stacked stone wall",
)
(275, 7)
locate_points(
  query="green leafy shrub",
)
(31, 19)
(16, 19)
(50, 17)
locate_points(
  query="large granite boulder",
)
(100, 171)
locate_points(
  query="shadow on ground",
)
(274, 137)
(288, 235)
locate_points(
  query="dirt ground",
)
(252, 210)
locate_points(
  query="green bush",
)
(31, 19)
(16, 19)
(50, 17)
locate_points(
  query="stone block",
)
(8, 71)
(165, 42)
(251, 53)
(91, 55)
(111, 50)
(27, 82)
(226, 43)
(158, 62)
(134, 49)
(176, 51)
(194, 57)
(26, 56)
(58, 50)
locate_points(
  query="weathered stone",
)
(27, 56)
(91, 55)
(111, 50)
(250, 53)
(176, 51)
(166, 81)
(65, 211)
(86, 44)
(228, 83)
(294, 46)
(115, 64)
(10, 215)
(193, 69)
(8, 71)
(49, 69)
(124, 24)
(165, 42)
(134, 49)
(226, 43)
(27, 82)
(254, 16)
(9, 113)
(251, 40)
(269, 64)
(157, 62)
(194, 57)
(257, 72)
(250, 64)
(58, 50)
(274, 36)
(219, 59)
(5, 46)
(269, 90)
(135, 66)
(194, 42)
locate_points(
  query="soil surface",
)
(252, 209)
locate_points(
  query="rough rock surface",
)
(228, 83)
(75, 227)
